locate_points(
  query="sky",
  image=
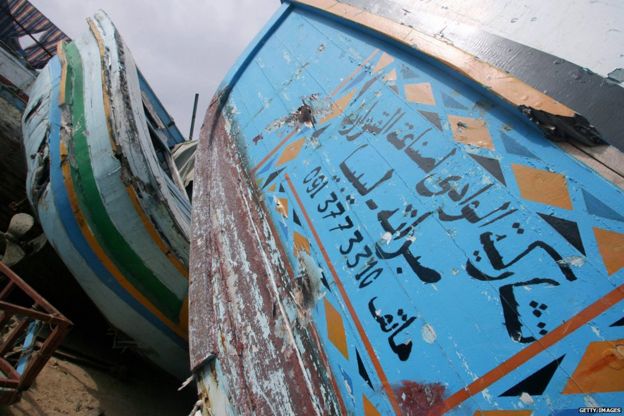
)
(182, 47)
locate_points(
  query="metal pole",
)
(193, 117)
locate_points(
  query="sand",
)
(65, 388)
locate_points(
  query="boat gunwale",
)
(82, 222)
(153, 203)
(93, 207)
(536, 106)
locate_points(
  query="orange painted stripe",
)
(61, 54)
(369, 348)
(501, 83)
(548, 340)
(92, 241)
(342, 84)
(147, 223)
(151, 230)
(106, 101)
(354, 73)
(99, 252)
(272, 152)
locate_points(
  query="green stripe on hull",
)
(115, 246)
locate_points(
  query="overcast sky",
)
(182, 47)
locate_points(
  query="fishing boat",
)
(395, 213)
(105, 189)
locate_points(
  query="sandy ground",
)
(94, 372)
(64, 388)
(91, 375)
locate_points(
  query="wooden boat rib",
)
(105, 201)
(379, 228)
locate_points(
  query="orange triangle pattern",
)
(419, 93)
(542, 186)
(300, 244)
(282, 206)
(335, 329)
(600, 369)
(338, 106)
(383, 62)
(611, 247)
(391, 76)
(473, 131)
(291, 151)
(369, 409)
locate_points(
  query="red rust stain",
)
(610, 358)
(417, 399)
(600, 370)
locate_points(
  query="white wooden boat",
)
(106, 191)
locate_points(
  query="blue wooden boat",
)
(388, 219)
(105, 189)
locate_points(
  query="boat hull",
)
(398, 234)
(128, 252)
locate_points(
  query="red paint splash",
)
(417, 399)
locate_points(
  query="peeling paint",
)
(561, 128)
(526, 399)
(407, 230)
(576, 261)
(245, 309)
(428, 334)
(416, 399)
(312, 109)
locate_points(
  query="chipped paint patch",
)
(428, 334)
(526, 399)
(416, 398)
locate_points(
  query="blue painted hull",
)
(452, 259)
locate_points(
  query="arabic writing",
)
(437, 196)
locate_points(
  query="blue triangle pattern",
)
(356, 81)
(452, 102)
(407, 72)
(266, 167)
(599, 208)
(515, 148)
(284, 228)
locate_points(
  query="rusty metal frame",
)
(20, 366)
